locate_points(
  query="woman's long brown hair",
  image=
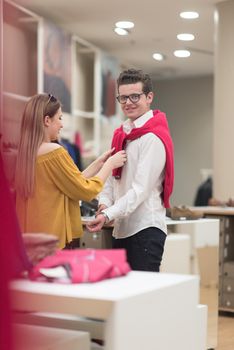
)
(31, 137)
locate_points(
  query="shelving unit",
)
(226, 264)
(91, 67)
(21, 73)
(226, 253)
(86, 87)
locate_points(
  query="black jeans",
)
(144, 249)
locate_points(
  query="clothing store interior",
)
(116, 175)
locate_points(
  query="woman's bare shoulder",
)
(47, 147)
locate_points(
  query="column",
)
(223, 149)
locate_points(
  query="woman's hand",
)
(97, 164)
(103, 157)
(117, 160)
(101, 207)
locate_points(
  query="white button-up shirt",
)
(134, 201)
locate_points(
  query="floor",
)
(220, 328)
(226, 332)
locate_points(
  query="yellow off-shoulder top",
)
(54, 207)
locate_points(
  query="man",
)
(137, 195)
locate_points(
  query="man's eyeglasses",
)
(134, 98)
(52, 98)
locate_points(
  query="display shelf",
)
(226, 264)
(86, 94)
(13, 109)
(23, 69)
(20, 72)
(84, 77)
(84, 114)
(19, 50)
(226, 253)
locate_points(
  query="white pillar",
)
(224, 101)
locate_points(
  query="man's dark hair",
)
(133, 76)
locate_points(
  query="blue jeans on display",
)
(144, 249)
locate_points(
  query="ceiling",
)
(157, 22)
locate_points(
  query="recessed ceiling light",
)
(124, 24)
(158, 56)
(185, 37)
(182, 53)
(121, 31)
(189, 14)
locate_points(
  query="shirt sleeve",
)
(107, 196)
(150, 167)
(69, 179)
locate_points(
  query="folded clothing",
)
(81, 266)
(183, 213)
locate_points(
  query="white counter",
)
(143, 310)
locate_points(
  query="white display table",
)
(203, 233)
(204, 261)
(143, 310)
(28, 337)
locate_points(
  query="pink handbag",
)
(81, 266)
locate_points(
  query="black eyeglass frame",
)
(130, 97)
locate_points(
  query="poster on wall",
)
(57, 64)
(109, 72)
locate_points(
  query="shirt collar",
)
(128, 125)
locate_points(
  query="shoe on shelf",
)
(183, 213)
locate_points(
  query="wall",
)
(188, 104)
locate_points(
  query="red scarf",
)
(157, 125)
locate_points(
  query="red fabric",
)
(157, 125)
(86, 265)
(13, 259)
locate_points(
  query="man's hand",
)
(97, 224)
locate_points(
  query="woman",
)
(48, 184)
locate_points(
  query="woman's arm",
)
(65, 175)
(115, 161)
(97, 164)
